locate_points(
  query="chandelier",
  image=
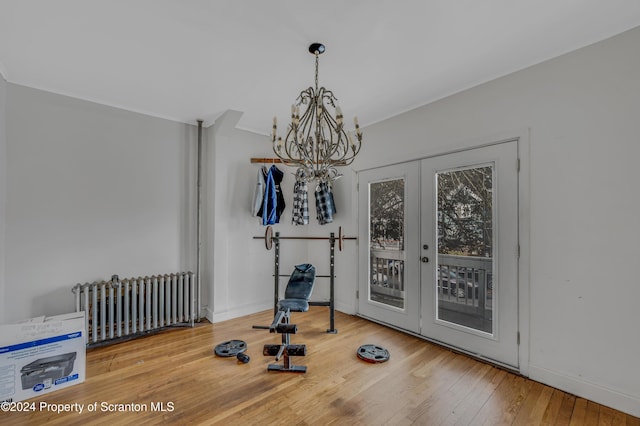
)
(316, 141)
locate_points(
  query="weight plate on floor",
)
(231, 348)
(373, 353)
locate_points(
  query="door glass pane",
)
(464, 276)
(386, 242)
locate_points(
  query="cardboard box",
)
(41, 355)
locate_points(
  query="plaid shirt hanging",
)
(325, 206)
(300, 204)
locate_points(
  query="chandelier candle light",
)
(317, 142)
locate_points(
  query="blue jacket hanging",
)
(273, 203)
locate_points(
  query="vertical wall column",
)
(199, 224)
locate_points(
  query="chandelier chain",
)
(317, 55)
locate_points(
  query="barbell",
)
(269, 238)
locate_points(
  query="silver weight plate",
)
(230, 348)
(373, 353)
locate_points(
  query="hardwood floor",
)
(421, 384)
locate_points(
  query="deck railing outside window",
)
(463, 283)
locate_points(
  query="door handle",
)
(424, 259)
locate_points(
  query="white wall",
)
(92, 191)
(3, 187)
(582, 110)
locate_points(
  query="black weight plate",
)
(373, 353)
(231, 348)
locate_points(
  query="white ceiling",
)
(191, 59)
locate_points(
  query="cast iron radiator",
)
(120, 309)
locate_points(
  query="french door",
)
(389, 280)
(441, 258)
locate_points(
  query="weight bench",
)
(296, 299)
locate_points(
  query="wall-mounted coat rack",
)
(279, 161)
(266, 160)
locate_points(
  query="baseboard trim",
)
(611, 398)
(240, 311)
(345, 309)
(237, 312)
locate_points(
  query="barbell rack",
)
(270, 240)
